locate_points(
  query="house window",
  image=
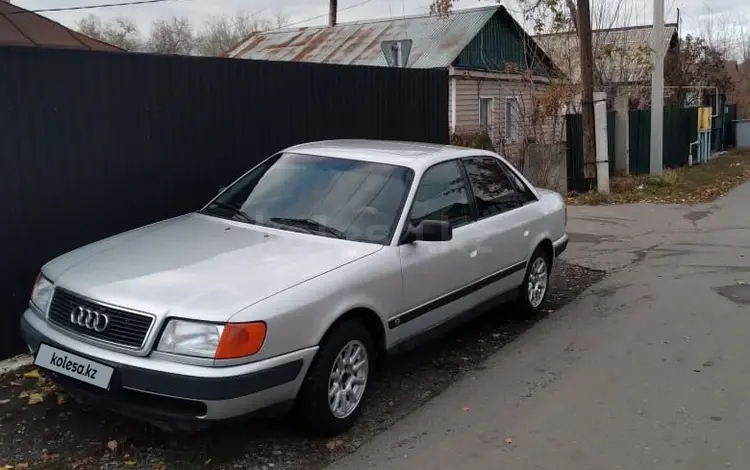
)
(485, 114)
(512, 119)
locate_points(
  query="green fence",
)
(574, 140)
(680, 129)
(730, 126)
(574, 135)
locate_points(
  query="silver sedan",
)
(284, 290)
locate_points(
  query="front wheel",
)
(336, 385)
(533, 292)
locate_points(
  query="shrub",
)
(476, 140)
(668, 178)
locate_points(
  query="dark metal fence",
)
(574, 141)
(680, 129)
(92, 144)
(730, 127)
(575, 160)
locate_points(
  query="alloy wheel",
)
(537, 284)
(348, 379)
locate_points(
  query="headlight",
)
(230, 341)
(41, 294)
(190, 338)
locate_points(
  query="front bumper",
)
(162, 391)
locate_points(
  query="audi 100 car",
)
(284, 290)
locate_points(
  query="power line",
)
(88, 7)
(323, 16)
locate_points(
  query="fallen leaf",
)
(35, 398)
(6, 467)
(22, 465)
(48, 457)
(128, 460)
(32, 374)
(83, 462)
(159, 466)
(331, 445)
(112, 445)
(16, 383)
(508, 440)
(2, 402)
(61, 399)
(466, 408)
(24, 394)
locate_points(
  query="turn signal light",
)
(241, 340)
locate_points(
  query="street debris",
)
(686, 185)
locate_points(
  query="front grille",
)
(125, 328)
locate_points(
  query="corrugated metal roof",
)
(20, 27)
(621, 55)
(436, 41)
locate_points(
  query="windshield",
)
(333, 197)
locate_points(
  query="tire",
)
(320, 415)
(537, 277)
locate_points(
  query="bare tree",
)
(220, 33)
(742, 37)
(280, 20)
(173, 36)
(717, 31)
(698, 64)
(120, 31)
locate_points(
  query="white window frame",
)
(489, 112)
(509, 121)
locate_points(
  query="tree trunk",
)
(587, 95)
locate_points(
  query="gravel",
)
(58, 434)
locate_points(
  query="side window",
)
(485, 114)
(524, 194)
(494, 192)
(512, 119)
(441, 195)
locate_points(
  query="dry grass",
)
(687, 185)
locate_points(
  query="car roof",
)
(414, 155)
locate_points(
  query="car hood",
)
(197, 266)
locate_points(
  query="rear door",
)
(503, 220)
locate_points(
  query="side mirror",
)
(429, 231)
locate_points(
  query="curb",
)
(15, 363)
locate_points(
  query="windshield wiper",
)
(310, 225)
(235, 211)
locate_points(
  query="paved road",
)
(648, 370)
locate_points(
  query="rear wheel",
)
(336, 385)
(533, 292)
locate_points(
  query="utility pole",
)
(587, 92)
(657, 89)
(333, 7)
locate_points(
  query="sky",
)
(314, 12)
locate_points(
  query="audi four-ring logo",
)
(89, 318)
